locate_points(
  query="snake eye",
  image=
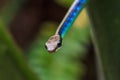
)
(45, 46)
(59, 44)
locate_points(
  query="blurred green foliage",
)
(64, 64)
(105, 17)
(12, 62)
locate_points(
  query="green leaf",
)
(105, 17)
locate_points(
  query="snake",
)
(55, 42)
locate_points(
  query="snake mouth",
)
(51, 50)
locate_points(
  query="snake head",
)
(53, 43)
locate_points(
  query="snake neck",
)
(70, 17)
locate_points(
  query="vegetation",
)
(25, 26)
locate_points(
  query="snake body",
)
(55, 41)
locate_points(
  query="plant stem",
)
(15, 53)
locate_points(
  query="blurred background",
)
(25, 26)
